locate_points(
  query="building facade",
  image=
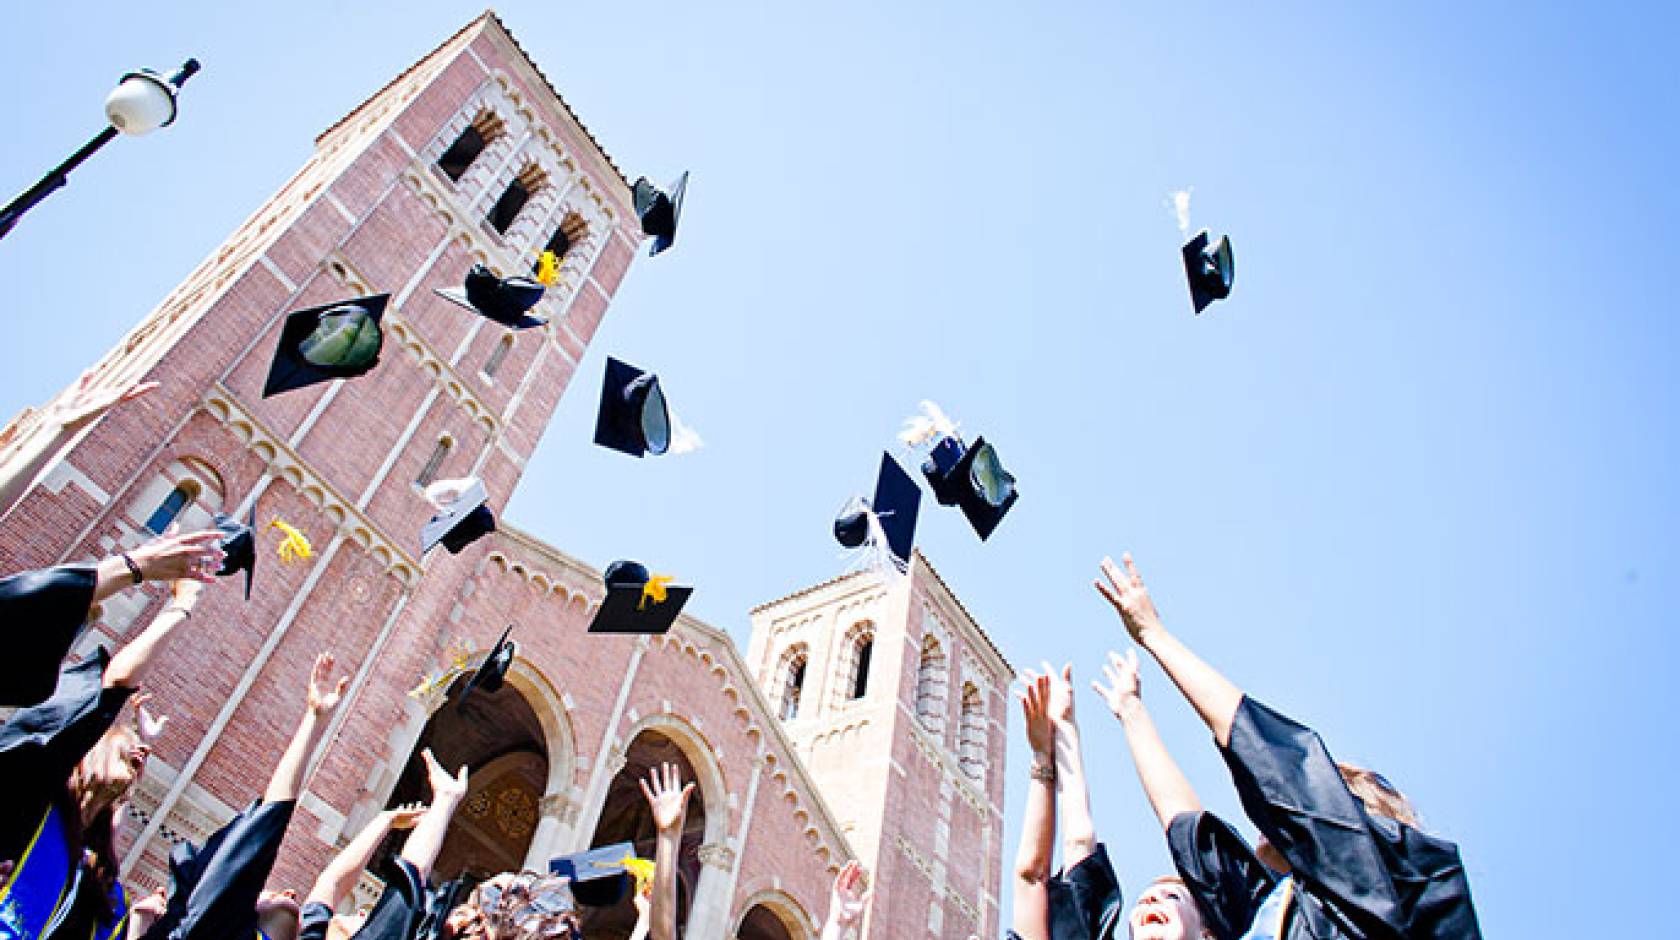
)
(891, 750)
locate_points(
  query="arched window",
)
(571, 232)
(429, 472)
(860, 644)
(519, 191)
(498, 356)
(177, 499)
(971, 738)
(793, 680)
(455, 161)
(930, 683)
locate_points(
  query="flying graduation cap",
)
(1210, 269)
(638, 602)
(599, 877)
(239, 543)
(461, 520)
(334, 341)
(493, 670)
(633, 417)
(502, 299)
(659, 210)
(884, 526)
(973, 479)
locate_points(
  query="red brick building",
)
(866, 721)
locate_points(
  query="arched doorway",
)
(763, 923)
(625, 818)
(500, 740)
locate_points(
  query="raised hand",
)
(1125, 590)
(195, 556)
(1035, 708)
(1060, 704)
(1125, 688)
(84, 403)
(443, 785)
(324, 694)
(667, 796)
(145, 912)
(150, 726)
(850, 895)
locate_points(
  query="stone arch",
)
(772, 914)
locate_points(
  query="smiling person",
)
(1353, 862)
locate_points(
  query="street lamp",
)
(141, 103)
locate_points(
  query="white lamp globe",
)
(142, 103)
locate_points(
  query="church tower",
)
(894, 698)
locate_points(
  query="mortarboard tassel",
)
(294, 545)
(459, 656)
(643, 870)
(928, 427)
(548, 269)
(654, 589)
(875, 554)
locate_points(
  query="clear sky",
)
(1414, 483)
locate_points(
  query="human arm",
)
(1213, 696)
(323, 697)
(336, 880)
(426, 841)
(195, 556)
(61, 421)
(1031, 917)
(667, 798)
(644, 913)
(1163, 782)
(128, 667)
(1073, 794)
(847, 901)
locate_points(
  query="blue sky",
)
(1413, 483)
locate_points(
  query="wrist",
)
(1149, 631)
(1129, 708)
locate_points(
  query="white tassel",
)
(928, 427)
(875, 554)
(443, 492)
(684, 439)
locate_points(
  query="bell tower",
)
(894, 698)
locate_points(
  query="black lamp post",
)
(141, 103)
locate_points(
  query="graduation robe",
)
(1084, 901)
(1357, 875)
(41, 613)
(214, 890)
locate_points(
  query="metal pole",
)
(59, 176)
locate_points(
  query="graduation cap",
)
(239, 543)
(889, 518)
(633, 417)
(598, 876)
(502, 299)
(976, 482)
(461, 521)
(638, 602)
(493, 670)
(333, 341)
(659, 210)
(1210, 268)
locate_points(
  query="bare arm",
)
(1213, 696)
(62, 421)
(336, 880)
(1073, 795)
(667, 797)
(287, 781)
(195, 556)
(846, 903)
(128, 667)
(426, 841)
(1031, 918)
(1169, 792)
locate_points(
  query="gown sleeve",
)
(400, 907)
(1377, 870)
(313, 920)
(1228, 881)
(1085, 899)
(41, 613)
(214, 890)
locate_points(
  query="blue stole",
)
(1274, 912)
(39, 883)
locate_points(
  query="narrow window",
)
(519, 191)
(930, 684)
(971, 739)
(860, 680)
(429, 472)
(178, 499)
(460, 156)
(793, 685)
(498, 356)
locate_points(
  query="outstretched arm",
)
(195, 556)
(128, 667)
(846, 902)
(1169, 792)
(324, 694)
(667, 797)
(426, 841)
(1213, 696)
(339, 877)
(75, 410)
(1031, 918)
(1073, 794)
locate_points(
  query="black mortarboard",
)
(633, 417)
(630, 605)
(1210, 268)
(502, 299)
(940, 467)
(598, 876)
(659, 210)
(896, 503)
(239, 542)
(461, 522)
(333, 341)
(987, 491)
(493, 670)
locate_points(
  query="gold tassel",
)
(548, 269)
(294, 545)
(654, 590)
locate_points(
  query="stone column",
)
(555, 816)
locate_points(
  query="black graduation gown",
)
(214, 890)
(1357, 875)
(41, 613)
(401, 907)
(1084, 901)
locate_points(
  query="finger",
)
(1131, 568)
(687, 791)
(1107, 594)
(1112, 571)
(144, 388)
(1132, 659)
(1067, 673)
(343, 683)
(431, 762)
(1097, 688)
(645, 791)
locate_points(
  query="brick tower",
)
(894, 699)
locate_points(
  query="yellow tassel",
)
(643, 870)
(294, 545)
(654, 590)
(548, 269)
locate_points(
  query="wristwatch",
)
(1044, 772)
